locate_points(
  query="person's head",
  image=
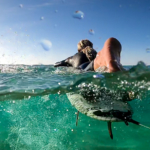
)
(90, 53)
(83, 44)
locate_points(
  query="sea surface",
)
(35, 113)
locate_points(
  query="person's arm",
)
(63, 62)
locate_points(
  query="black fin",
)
(77, 118)
(133, 121)
(110, 130)
(126, 122)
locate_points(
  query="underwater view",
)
(75, 75)
(36, 113)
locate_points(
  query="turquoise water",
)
(36, 114)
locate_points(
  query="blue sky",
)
(25, 24)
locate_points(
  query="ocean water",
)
(35, 113)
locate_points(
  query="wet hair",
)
(90, 53)
(83, 44)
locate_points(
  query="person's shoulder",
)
(79, 54)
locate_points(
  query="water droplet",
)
(148, 50)
(46, 44)
(72, 130)
(56, 11)
(78, 14)
(91, 32)
(21, 6)
(63, 1)
(42, 18)
(13, 101)
(55, 129)
(55, 25)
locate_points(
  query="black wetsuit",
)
(73, 61)
(79, 61)
(89, 66)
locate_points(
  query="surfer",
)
(80, 60)
(108, 59)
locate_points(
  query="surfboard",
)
(103, 109)
(100, 109)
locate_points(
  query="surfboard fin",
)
(137, 123)
(110, 129)
(126, 122)
(77, 118)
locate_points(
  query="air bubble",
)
(46, 44)
(78, 14)
(91, 31)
